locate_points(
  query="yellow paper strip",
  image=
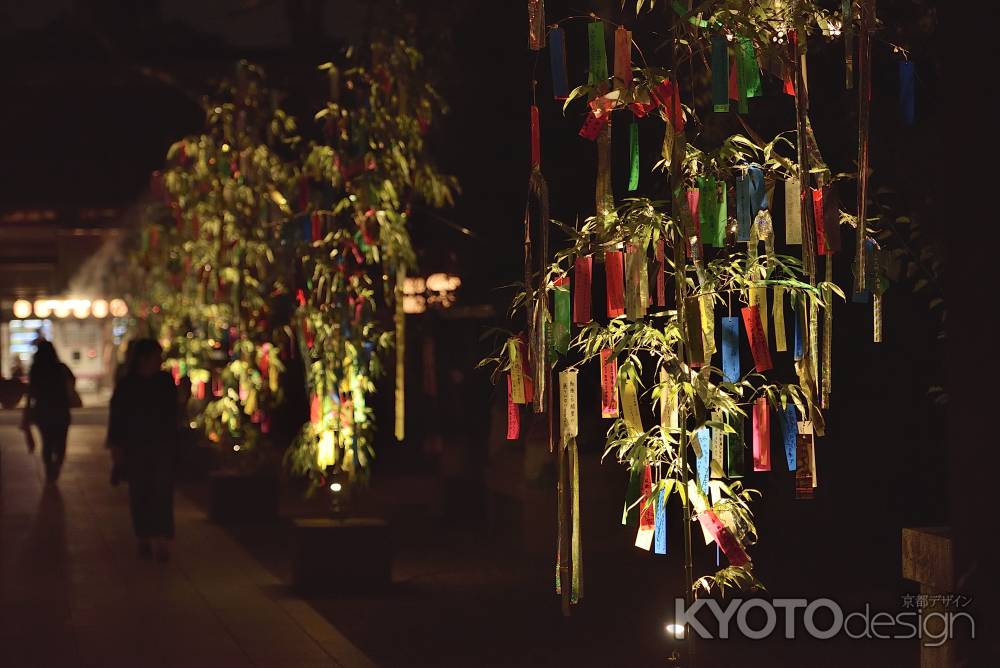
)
(778, 311)
(400, 422)
(516, 372)
(758, 298)
(718, 448)
(569, 426)
(630, 406)
(706, 305)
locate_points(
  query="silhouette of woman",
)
(50, 392)
(142, 433)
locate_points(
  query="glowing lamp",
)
(118, 308)
(675, 631)
(43, 308)
(80, 307)
(326, 454)
(61, 308)
(99, 309)
(22, 309)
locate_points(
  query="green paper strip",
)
(711, 212)
(630, 513)
(749, 68)
(561, 323)
(598, 53)
(720, 73)
(633, 150)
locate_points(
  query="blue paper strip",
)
(705, 440)
(790, 432)
(758, 193)
(731, 349)
(907, 99)
(660, 528)
(743, 214)
(799, 343)
(557, 59)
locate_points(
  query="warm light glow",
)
(236, 448)
(326, 454)
(61, 308)
(22, 309)
(443, 282)
(80, 307)
(676, 630)
(336, 487)
(414, 304)
(43, 308)
(118, 308)
(99, 309)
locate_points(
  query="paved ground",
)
(73, 593)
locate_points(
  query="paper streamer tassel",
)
(790, 434)
(704, 457)
(720, 73)
(793, 212)
(761, 435)
(758, 342)
(536, 146)
(609, 384)
(623, 57)
(598, 54)
(731, 349)
(583, 271)
(536, 25)
(633, 153)
(907, 96)
(660, 530)
(561, 315)
(513, 414)
(647, 513)
(615, 273)
(557, 61)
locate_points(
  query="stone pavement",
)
(73, 593)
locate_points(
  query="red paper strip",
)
(661, 292)
(623, 56)
(734, 82)
(583, 273)
(614, 267)
(646, 516)
(640, 109)
(609, 384)
(817, 202)
(724, 538)
(667, 97)
(513, 414)
(761, 435)
(594, 125)
(758, 342)
(529, 384)
(314, 411)
(536, 146)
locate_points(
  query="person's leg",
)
(49, 436)
(138, 497)
(59, 435)
(164, 513)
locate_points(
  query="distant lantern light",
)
(118, 308)
(443, 282)
(99, 309)
(43, 308)
(61, 308)
(675, 631)
(80, 307)
(22, 309)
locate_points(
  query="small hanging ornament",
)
(536, 25)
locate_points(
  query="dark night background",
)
(95, 91)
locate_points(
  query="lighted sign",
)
(22, 309)
(63, 308)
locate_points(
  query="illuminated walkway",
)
(72, 592)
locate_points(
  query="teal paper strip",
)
(720, 73)
(633, 150)
(598, 53)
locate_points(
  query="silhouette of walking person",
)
(142, 433)
(51, 394)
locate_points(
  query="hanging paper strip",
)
(758, 190)
(706, 304)
(877, 333)
(758, 342)
(907, 98)
(609, 384)
(831, 220)
(720, 72)
(805, 454)
(827, 377)
(703, 450)
(604, 197)
(712, 212)
(630, 513)
(730, 349)
(615, 273)
(636, 283)
(647, 514)
(758, 298)
(576, 545)
(536, 147)
(513, 413)
(661, 274)
(778, 311)
(561, 315)
(744, 211)
(669, 414)
(761, 435)
(718, 449)
(699, 504)
(695, 336)
(583, 271)
(793, 212)
(598, 54)
(790, 433)
(569, 425)
(724, 538)
(538, 355)
(517, 372)
(737, 86)
(817, 204)
(633, 153)
(799, 327)
(400, 394)
(750, 70)
(660, 530)
(536, 25)
(623, 57)
(594, 125)
(557, 62)
(734, 448)
(667, 96)
(694, 203)
(630, 406)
